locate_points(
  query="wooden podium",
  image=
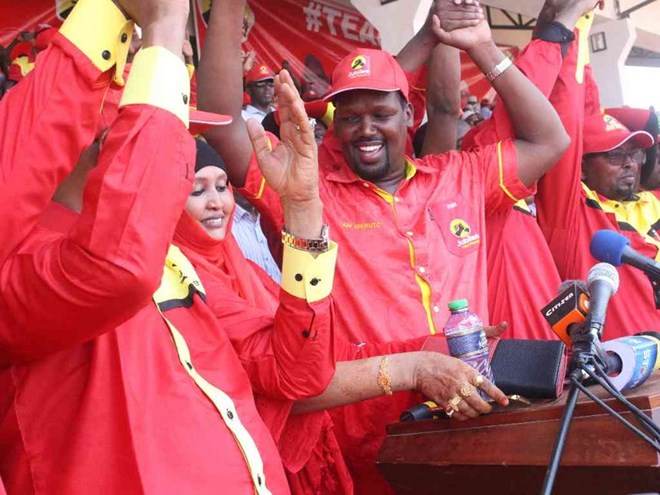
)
(508, 452)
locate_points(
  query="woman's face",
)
(211, 201)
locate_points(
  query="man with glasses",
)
(259, 85)
(595, 186)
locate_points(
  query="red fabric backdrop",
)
(307, 36)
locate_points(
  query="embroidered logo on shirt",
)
(461, 229)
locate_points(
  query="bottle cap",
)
(458, 304)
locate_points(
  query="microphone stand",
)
(589, 361)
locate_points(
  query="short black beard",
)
(373, 174)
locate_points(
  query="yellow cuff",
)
(102, 33)
(159, 78)
(307, 277)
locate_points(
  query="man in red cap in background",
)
(259, 86)
(412, 230)
(595, 186)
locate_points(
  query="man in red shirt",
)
(412, 230)
(593, 187)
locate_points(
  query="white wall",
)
(608, 65)
(397, 22)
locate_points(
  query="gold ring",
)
(454, 402)
(449, 411)
(467, 390)
(478, 381)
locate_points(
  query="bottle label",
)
(469, 343)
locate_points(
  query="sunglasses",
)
(621, 157)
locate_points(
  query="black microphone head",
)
(608, 246)
(603, 272)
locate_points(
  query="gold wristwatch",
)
(320, 244)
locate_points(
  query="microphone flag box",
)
(570, 306)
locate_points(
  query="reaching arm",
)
(443, 100)
(220, 86)
(540, 136)
(59, 291)
(51, 116)
(437, 376)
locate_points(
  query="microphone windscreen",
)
(604, 272)
(608, 246)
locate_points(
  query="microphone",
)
(631, 360)
(425, 410)
(569, 308)
(602, 282)
(614, 248)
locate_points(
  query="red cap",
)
(259, 73)
(366, 68)
(604, 133)
(21, 49)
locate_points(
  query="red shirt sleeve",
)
(288, 355)
(60, 290)
(560, 192)
(45, 122)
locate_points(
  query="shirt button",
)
(230, 414)
(421, 269)
(409, 234)
(436, 309)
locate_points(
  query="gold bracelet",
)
(384, 380)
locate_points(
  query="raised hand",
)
(460, 23)
(443, 378)
(145, 12)
(456, 14)
(291, 168)
(567, 12)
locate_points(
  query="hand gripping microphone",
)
(603, 282)
(569, 308)
(614, 248)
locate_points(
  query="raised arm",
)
(51, 116)
(540, 136)
(57, 291)
(220, 86)
(443, 102)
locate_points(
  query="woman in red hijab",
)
(245, 300)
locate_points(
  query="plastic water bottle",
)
(467, 340)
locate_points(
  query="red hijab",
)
(223, 262)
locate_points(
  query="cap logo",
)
(263, 70)
(612, 124)
(360, 67)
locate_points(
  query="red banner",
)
(306, 36)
